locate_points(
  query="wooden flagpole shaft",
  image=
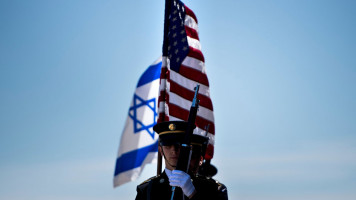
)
(164, 53)
(159, 164)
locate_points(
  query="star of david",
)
(139, 103)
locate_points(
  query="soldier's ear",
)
(201, 160)
(160, 150)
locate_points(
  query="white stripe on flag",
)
(194, 43)
(186, 104)
(190, 22)
(189, 84)
(194, 64)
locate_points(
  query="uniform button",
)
(162, 180)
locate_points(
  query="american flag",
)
(182, 69)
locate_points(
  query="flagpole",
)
(167, 11)
(159, 164)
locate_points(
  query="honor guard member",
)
(207, 171)
(188, 186)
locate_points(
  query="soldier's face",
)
(195, 162)
(171, 154)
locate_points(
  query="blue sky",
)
(282, 76)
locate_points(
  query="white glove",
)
(182, 180)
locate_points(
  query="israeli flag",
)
(139, 143)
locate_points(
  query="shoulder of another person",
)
(217, 182)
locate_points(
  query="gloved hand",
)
(181, 179)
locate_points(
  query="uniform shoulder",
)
(148, 180)
(212, 181)
(221, 187)
(217, 182)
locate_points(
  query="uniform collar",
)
(168, 172)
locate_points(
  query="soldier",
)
(208, 170)
(188, 186)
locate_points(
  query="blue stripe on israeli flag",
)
(125, 162)
(139, 143)
(152, 73)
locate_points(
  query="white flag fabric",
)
(139, 143)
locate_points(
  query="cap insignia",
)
(172, 127)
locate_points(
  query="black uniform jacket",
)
(158, 188)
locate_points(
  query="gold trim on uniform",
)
(196, 144)
(146, 181)
(165, 132)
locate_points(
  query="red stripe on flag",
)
(164, 73)
(196, 53)
(183, 114)
(189, 12)
(189, 95)
(202, 123)
(162, 118)
(194, 75)
(209, 152)
(178, 112)
(163, 96)
(191, 33)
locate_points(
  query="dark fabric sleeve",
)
(209, 189)
(139, 195)
(141, 192)
(222, 192)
